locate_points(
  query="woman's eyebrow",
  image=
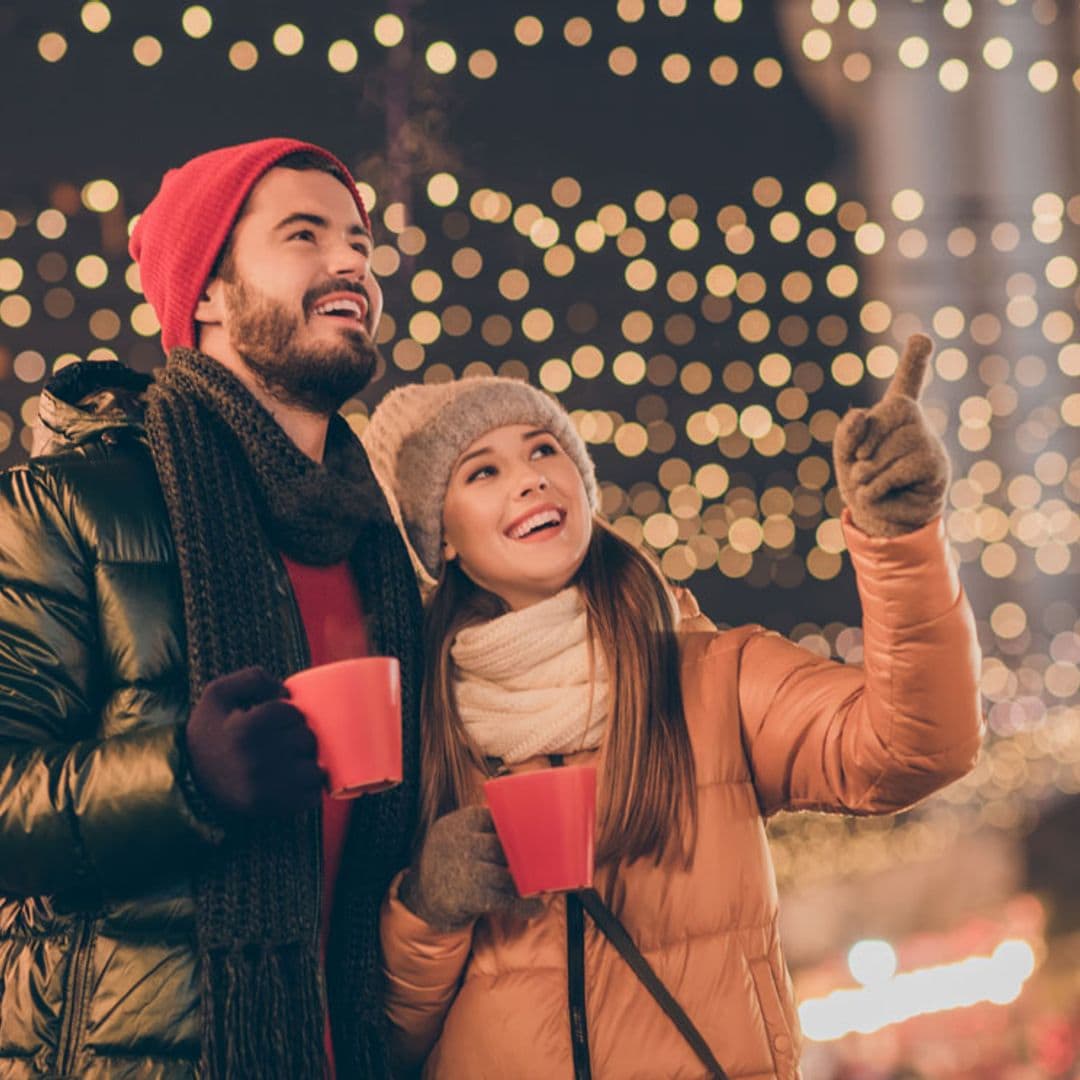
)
(472, 454)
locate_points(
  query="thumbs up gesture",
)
(891, 468)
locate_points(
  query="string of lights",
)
(707, 345)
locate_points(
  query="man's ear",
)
(210, 310)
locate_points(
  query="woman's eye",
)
(303, 234)
(481, 473)
(544, 449)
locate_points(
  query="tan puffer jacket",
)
(773, 728)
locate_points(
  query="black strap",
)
(575, 969)
(616, 933)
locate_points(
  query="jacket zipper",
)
(76, 1005)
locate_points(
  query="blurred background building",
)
(708, 227)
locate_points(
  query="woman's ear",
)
(449, 551)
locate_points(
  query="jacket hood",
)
(84, 399)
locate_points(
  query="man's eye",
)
(303, 234)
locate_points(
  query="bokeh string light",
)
(619, 304)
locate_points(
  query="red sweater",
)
(333, 619)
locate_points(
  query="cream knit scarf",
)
(525, 684)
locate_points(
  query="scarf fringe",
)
(252, 1035)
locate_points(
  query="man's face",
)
(301, 304)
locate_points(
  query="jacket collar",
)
(85, 399)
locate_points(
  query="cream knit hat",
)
(418, 432)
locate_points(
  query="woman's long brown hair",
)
(647, 803)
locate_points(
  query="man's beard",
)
(319, 377)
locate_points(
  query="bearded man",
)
(178, 898)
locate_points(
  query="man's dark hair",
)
(301, 161)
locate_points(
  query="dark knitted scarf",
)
(238, 491)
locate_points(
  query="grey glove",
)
(892, 470)
(461, 874)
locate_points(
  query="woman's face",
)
(516, 515)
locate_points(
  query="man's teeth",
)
(340, 307)
(545, 517)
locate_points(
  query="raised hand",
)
(461, 874)
(892, 470)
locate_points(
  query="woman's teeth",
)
(530, 524)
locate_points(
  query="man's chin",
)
(318, 380)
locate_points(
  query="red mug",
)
(546, 822)
(353, 707)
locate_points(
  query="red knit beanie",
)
(181, 233)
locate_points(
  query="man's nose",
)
(349, 261)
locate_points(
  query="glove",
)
(892, 470)
(461, 874)
(250, 751)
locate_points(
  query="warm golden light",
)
(243, 55)
(483, 64)
(342, 56)
(288, 39)
(675, 68)
(577, 31)
(622, 60)
(389, 30)
(529, 30)
(147, 50)
(100, 196)
(723, 70)
(768, 73)
(441, 57)
(442, 189)
(998, 53)
(196, 21)
(821, 198)
(52, 46)
(817, 44)
(95, 16)
(862, 14)
(953, 75)
(913, 52)
(91, 271)
(1043, 75)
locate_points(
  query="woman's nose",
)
(531, 479)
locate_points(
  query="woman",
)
(551, 640)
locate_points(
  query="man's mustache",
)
(315, 294)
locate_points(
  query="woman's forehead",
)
(502, 439)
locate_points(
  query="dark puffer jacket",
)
(99, 825)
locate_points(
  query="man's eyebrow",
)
(319, 221)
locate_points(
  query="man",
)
(172, 901)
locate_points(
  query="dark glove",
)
(892, 470)
(251, 752)
(461, 874)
